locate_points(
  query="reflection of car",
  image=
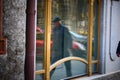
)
(77, 46)
(77, 37)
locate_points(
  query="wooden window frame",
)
(89, 62)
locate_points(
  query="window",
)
(81, 19)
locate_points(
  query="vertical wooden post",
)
(99, 16)
(90, 35)
(30, 40)
(47, 40)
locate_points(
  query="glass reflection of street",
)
(78, 68)
(74, 16)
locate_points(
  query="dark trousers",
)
(67, 65)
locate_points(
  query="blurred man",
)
(62, 43)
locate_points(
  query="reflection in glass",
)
(74, 15)
(94, 68)
(95, 31)
(69, 38)
(62, 44)
(39, 77)
(69, 34)
(77, 22)
(40, 34)
(78, 68)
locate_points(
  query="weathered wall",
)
(14, 23)
(110, 36)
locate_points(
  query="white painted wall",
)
(110, 36)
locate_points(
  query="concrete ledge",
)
(114, 76)
(109, 76)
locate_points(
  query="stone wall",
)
(14, 23)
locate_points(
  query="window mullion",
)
(90, 34)
(98, 55)
(47, 39)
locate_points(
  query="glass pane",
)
(95, 31)
(94, 68)
(39, 77)
(40, 34)
(78, 68)
(69, 34)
